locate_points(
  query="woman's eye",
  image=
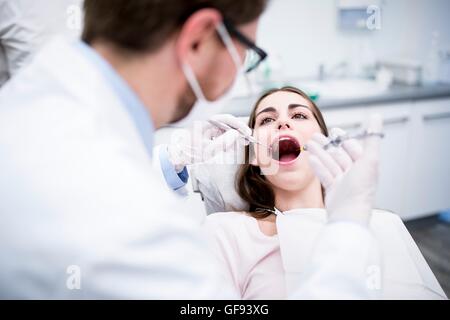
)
(299, 116)
(265, 120)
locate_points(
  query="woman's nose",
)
(283, 125)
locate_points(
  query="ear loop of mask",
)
(189, 73)
(222, 30)
(192, 79)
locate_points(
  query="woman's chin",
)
(272, 166)
(290, 181)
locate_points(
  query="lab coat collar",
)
(129, 99)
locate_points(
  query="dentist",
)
(82, 212)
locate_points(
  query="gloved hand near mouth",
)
(205, 141)
(349, 173)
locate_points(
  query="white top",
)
(251, 260)
(263, 267)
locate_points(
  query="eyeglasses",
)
(254, 55)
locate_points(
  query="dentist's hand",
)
(349, 173)
(205, 141)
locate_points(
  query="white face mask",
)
(203, 108)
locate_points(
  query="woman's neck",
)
(308, 197)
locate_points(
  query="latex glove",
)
(205, 141)
(349, 173)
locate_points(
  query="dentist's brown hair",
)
(251, 185)
(142, 26)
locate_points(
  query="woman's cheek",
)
(306, 136)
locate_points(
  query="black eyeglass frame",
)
(235, 33)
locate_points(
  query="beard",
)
(185, 104)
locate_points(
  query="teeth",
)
(286, 139)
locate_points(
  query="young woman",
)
(247, 244)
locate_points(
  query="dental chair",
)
(215, 184)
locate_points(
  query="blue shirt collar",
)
(129, 99)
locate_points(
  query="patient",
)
(246, 243)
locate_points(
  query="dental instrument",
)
(247, 137)
(363, 135)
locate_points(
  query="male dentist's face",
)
(215, 70)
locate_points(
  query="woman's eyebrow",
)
(296, 105)
(290, 107)
(268, 109)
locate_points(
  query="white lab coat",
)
(78, 192)
(78, 189)
(25, 25)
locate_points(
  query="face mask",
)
(203, 108)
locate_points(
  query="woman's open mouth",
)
(286, 149)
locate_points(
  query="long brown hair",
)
(251, 185)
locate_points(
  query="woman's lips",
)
(285, 149)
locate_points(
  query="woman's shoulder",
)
(227, 218)
(237, 222)
(227, 227)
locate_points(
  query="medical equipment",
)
(244, 135)
(205, 141)
(350, 185)
(363, 135)
(403, 71)
(286, 149)
(273, 150)
(275, 211)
